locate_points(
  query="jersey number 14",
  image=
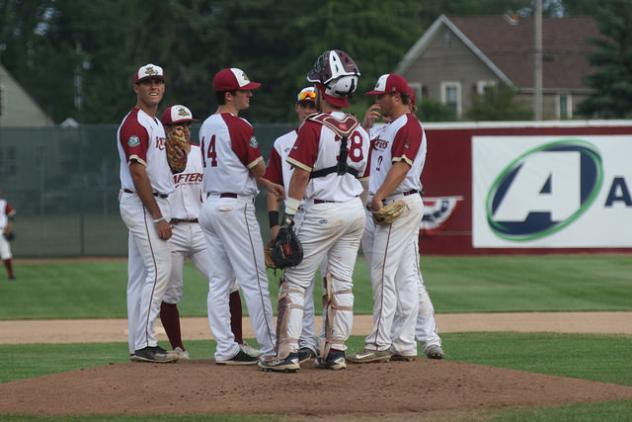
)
(209, 153)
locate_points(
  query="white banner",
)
(552, 191)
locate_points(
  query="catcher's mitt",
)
(9, 236)
(286, 250)
(176, 147)
(388, 213)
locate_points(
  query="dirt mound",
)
(203, 387)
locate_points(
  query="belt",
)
(323, 201)
(410, 192)
(179, 220)
(159, 195)
(228, 195)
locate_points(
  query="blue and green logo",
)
(544, 190)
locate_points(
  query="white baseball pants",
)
(148, 267)
(234, 242)
(187, 241)
(391, 261)
(329, 232)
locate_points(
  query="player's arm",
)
(143, 189)
(296, 191)
(258, 170)
(394, 178)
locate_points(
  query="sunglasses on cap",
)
(307, 96)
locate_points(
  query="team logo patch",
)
(253, 142)
(574, 176)
(133, 141)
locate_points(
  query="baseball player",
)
(426, 331)
(233, 166)
(397, 160)
(330, 157)
(145, 186)
(7, 213)
(187, 240)
(279, 171)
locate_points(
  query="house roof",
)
(506, 46)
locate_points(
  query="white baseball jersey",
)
(142, 138)
(6, 210)
(402, 140)
(279, 170)
(229, 150)
(186, 200)
(317, 147)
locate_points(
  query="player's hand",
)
(376, 203)
(164, 229)
(274, 231)
(372, 114)
(277, 190)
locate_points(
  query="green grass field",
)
(456, 284)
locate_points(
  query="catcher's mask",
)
(336, 76)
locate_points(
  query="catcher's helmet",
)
(336, 71)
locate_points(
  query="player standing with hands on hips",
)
(330, 158)
(145, 186)
(397, 160)
(233, 166)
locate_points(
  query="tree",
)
(612, 60)
(430, 110)
(497, 103)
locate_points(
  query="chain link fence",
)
(64, 184)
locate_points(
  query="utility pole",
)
(537, 61)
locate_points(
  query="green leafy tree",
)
(430, 110)
(497, 103)
(612, 59)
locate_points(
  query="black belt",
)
(159, 195)
(324, 201)
(228, 195)
(179, 220)
(410, 192)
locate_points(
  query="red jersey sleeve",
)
(243, 141)
(9, 210)
(134, 139)
(407, 141)
(305, 150)
(274, 171)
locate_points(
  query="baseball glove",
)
(389, 213)
(177, 147)
(9, 236)
(286, 250)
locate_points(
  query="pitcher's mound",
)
(203, 387)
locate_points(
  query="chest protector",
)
(342, 128)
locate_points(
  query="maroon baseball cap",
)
(176, 114)
(149, 71)
(390, 82)
(231, 79)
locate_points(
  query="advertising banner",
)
(552, 191)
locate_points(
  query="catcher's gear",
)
(287, 250)
(176, 147)
(10, 236)
(337, 72)
(389, 213)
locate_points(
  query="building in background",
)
(17, 108)
(458, 58)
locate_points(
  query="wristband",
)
(273, 216)
(291, 206)
(158, 220)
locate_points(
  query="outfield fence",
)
(64, 184)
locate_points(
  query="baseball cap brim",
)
(375, 92)
(250, 86)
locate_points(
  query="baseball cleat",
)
(248, 349)
(180, 353)
(367, 356)
(305, 354)
(287, 365)
(335, 361)
(241, 358)
(402, 358)
(153, 354)
(434, 351)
